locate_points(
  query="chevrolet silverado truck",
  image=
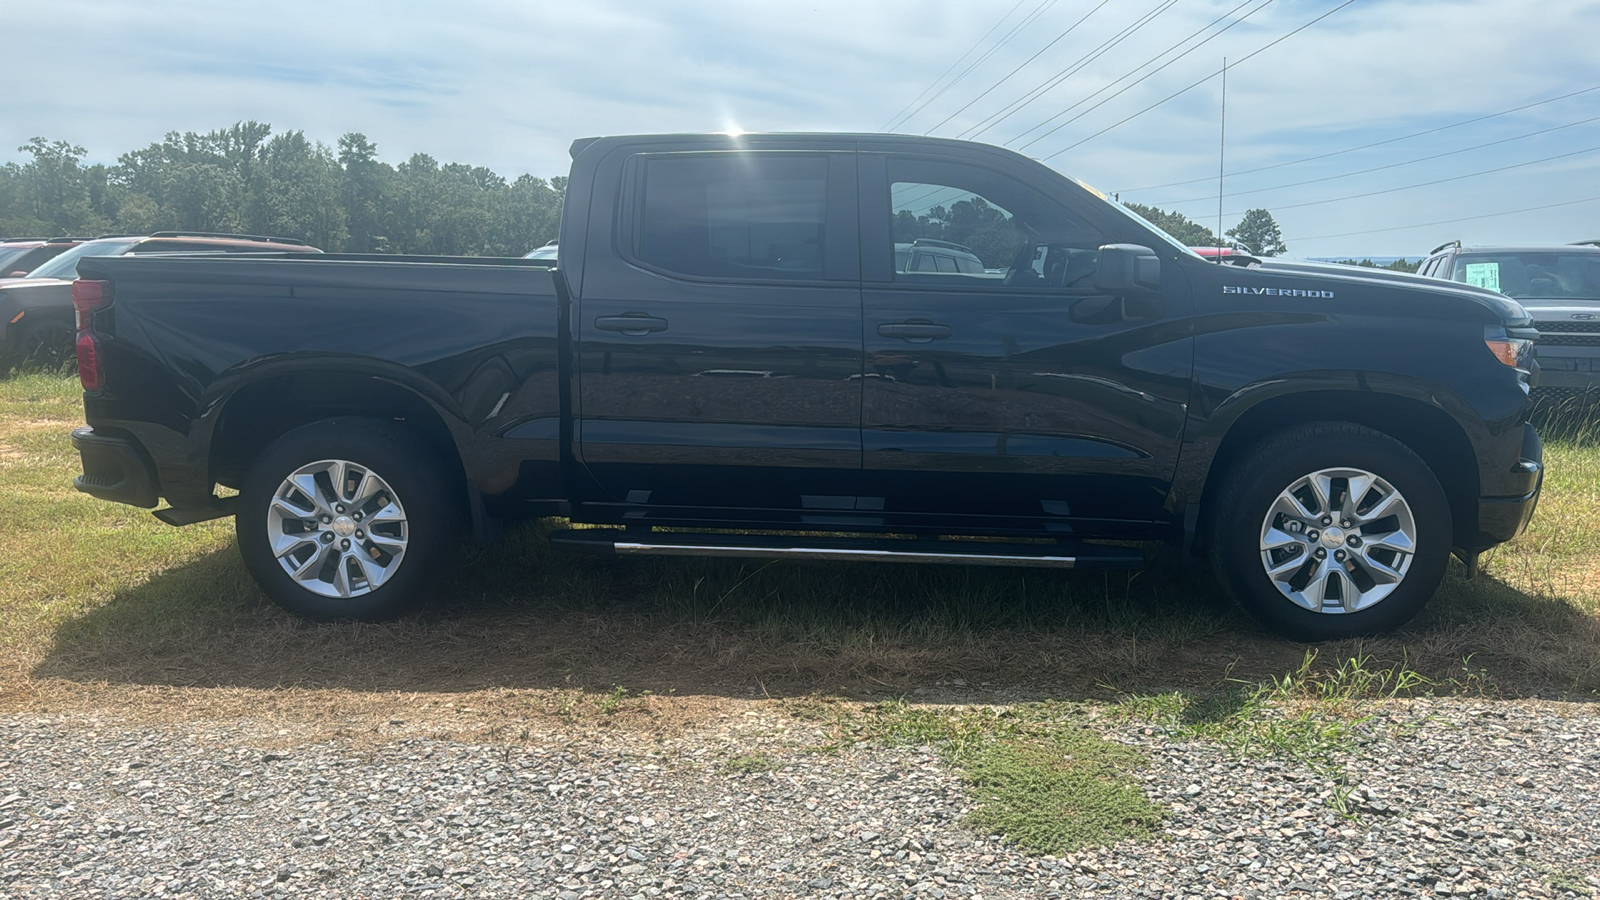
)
(727, 361)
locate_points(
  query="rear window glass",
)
(731, 215)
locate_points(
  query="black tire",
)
(429, 527)
(1258, 484)
(46, 345)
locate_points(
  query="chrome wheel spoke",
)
(1286, 570)
(1384, 508)
(308, 569)
(1394, 540)
(387, 542)
(1356, 488)
(1380, 572)
(1322, 485)
(284, 544)
(1277, 539)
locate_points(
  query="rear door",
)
(719, 335)
(1018, 395)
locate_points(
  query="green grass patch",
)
(1035, 774)
(1313, 716)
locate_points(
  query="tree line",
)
(245, 179)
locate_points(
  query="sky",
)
(1383, 91)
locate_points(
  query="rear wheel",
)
(345, 519)
(1331, 530)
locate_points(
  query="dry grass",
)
(102, 607)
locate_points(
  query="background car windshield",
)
(66, 265)
(1548, 274)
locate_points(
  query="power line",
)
(1016, 29)
(1054, 81)
(1508, 212)
(1407, 187)
(1135, 69)
(1019, 68)
(1390, 165)
(1196, 84)
(1403, 137)
(893, 120)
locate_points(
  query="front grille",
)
(1569, 326)
(1574, 398)
(1547, 339)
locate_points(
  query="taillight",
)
(89, 362)
(88, 298)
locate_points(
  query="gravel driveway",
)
(1482, 799)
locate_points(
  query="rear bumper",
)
(115, 469)
(1504, 517)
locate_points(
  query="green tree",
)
(1181, 227)
(295, 192)
(367, 184)
(1259, 233)
(53, 193)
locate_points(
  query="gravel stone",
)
(1456, 798)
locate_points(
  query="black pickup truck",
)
(727, 360)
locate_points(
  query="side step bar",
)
(614, 542)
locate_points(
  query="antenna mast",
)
(1222, 147)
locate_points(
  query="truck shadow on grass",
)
(516, 615)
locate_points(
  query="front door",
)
(1003, 389)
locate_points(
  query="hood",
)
(1504, 307)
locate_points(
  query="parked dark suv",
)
(36, 317)
(1559, 286)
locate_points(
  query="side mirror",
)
(1127, 267)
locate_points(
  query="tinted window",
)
(733, 215)
(993, 231)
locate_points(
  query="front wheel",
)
(344, 519)
(1331, 530)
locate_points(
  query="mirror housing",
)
(1128, 267)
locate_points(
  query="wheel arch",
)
(256, 413)
(1427, 430)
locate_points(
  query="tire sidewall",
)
(395, 456)
(1265, 474)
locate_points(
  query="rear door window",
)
(732, 215)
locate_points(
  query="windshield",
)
(1550, 274)
(1148, 226)
(66, 265)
